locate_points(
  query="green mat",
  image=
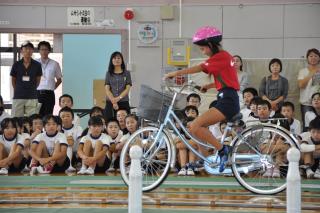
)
(109, 181)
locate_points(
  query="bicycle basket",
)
(153, 105)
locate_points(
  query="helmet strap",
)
(213, 47)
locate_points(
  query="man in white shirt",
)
(50, 80)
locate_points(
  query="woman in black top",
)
(117, 86)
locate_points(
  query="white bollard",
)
(135, 181)
(293, 182)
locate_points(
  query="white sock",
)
(69, 154)
(307, 147)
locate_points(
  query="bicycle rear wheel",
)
(156, 157)
(259, 158)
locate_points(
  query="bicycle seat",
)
(235, 118)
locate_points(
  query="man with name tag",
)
(25, 78)
(51, 78)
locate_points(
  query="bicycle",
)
(254, 151)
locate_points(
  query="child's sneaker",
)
(182, 172)
(309, 173)
(268, 173)
(70, 170)
(223, 154)
(33, 170)
(25, 170)
(82, 171)
(89, 171)
(45, 169)
(111, 168)
(190, 172)
(276, 173)
(317, 174)
(3, 171)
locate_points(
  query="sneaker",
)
(309, 173)
(182, 172)
(82, 171)
(33, 170)
(223, 154)
(317, 173)
(71, 170)
(25, 170)
(190, 172)
(276, 173)
(89, 171)
(44, 169)
(268, 173)
(111, 169)
(3, 171)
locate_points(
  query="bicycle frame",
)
(169, 119)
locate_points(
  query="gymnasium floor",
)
(50, 194)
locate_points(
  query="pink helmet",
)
(207, 34)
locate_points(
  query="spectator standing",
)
(25, 78)
(50, 80)
(117, 86)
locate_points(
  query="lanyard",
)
(44, 66)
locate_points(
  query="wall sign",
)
(147, 33)
(80, 16)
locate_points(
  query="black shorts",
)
(22, 164)
(57, 168)
(104, 167)
(228, 102)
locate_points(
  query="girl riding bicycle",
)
(220, 64)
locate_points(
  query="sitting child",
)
(93, 148)
(72, 134)
(11, 146)
(113, 130)
(49, 149)
(310, 148)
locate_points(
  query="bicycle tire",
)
(248, 173)
(162, 165)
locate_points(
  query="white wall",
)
(271, 29)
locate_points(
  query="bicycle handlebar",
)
(189, 84)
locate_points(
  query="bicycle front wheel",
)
(156, 157)
(259, 158)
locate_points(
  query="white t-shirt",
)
(308, 117)
(125, 137)
(50, 71)
(104, 138)
(306, 137)
(50, 141)
(8, 144)
(245, 114)
(215, 130)
(311, 87)
(118, 138)
(76, 120)
(75, 132)
(295, 127)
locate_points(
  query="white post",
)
(293, 182)
(135, 181)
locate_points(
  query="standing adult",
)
(50, 80)
(25, 78)
(242, 77)
(309, 81)
(274, 88)
(117, 86)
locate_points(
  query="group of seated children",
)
(58, 144)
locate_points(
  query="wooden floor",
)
(108, 193)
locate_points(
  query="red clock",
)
(128, 14)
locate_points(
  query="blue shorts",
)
(228, 102)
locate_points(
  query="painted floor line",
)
(170, 183)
